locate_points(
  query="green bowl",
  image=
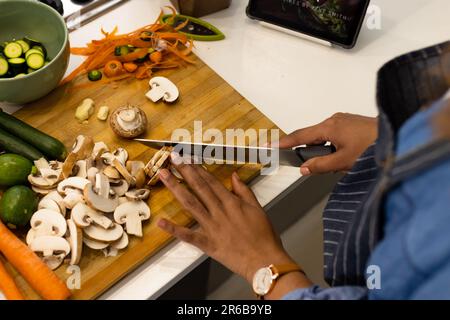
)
(30, 18)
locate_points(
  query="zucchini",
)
(4, 67)
(122, 50)
(35, 61)
(32, 42)
(95, 75)
(49, 146)
(42, 49)
(13, 50)
(25, 46)
(20, 75)
(17, 65)
(14, 145)
(32, 51)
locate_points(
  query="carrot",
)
(156, 57)
(8, 286)
(130, 67)
(113, 68)
(101, 52)
(37, 273)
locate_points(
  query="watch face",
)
(262, 281)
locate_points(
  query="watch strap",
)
(281, 269)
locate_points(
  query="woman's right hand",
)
(351, 135)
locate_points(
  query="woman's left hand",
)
(234, 229)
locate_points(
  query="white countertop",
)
(294, 82)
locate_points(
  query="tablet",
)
(334, 21)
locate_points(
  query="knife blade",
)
(243, 154)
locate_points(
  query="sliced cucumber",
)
(42, 49)
(35, 61)
(25, 46)
(13, 50)
(4, 67)
(31, 51)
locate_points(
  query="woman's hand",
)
(234, 229)
(350, 134)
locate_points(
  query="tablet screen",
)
(337, 21)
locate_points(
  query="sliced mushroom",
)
(81, 150)
(136, 169)
(80, 169)
(46, 222)
(160, 160)
(45, 178)
(138, 194)
(55, 196)
(41, 191)
(102, 185)
(84, 216)
(98, 202)
(105, 235)
(98, 149)
(123, 171)
(53, 249)
(50, 204)
(91, 173)
(111, 172)
(132, 214)
(121, 154)
(94, 244)
(41, 163)
(128, 122)
(122, 200)
(72, 183)
(72, 198)
(122, 243)
(75, 239)
(162, 88)
(119, 187)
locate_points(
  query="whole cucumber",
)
(14, 145)
(48, 145)
(14, 170)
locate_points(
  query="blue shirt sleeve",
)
(336, 293)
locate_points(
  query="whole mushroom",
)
(128, 122)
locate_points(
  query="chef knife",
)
(235, 154)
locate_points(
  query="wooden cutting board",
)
(204, 96)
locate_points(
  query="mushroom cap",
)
(84, 216)
(98, 202)
(122, 243)
(120, 187)
(75, 239)
(128, 122)
(162, 88)
(138, 194)
(49, 204)
(94, 244)
(54, 249)
(46, 222)
(55, 196)
(72, 182)
(105, 235)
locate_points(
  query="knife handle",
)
(309, 152)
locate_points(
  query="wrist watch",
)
(265, 278)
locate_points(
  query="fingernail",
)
(164, 174)
(305, 171)
(175, 158)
